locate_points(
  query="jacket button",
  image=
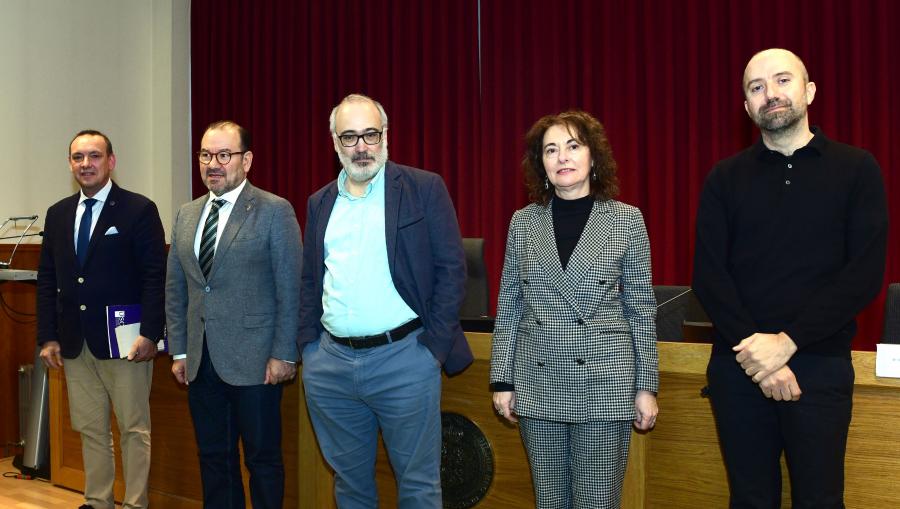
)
(579, 321)
(601, 282)
(82, 307)
(524, 281)
(81, 280)
(538, 321)
(540, 364)
(206, 289)
(580, 362)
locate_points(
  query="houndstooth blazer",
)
(576, 344)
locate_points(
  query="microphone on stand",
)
(7, 263)
(681, 318)
(660, 306)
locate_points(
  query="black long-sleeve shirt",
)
(791, 244)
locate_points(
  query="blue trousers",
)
(351, 394)
(222, 413)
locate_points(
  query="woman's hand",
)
(505, 405)
(645, 408)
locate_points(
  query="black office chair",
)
(891, 331)
(476, 302)
(675, 306)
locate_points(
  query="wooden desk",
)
(683, 463)
(466, 394)
(678, 465)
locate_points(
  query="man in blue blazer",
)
(383, 279)
(103, 246)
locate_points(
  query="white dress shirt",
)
(101, 197)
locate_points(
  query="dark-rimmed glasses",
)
(223, 157)
(350, 140)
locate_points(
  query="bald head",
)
(769, 59)
(777, 93)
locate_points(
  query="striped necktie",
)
(208, 241)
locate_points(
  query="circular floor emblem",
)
(467, 462)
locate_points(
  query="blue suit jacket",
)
(127, 267)
(425, 258)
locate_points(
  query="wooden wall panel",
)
(175, 470)
(18, 330)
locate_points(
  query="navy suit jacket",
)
(127, 267)
(425, 257)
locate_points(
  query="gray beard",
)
(362, 174)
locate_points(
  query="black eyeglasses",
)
(223, 157)
(350, 140)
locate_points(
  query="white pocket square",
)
(112, 231)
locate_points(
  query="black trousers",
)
(812, 432)
(222, 413)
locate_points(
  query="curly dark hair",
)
(588, 131)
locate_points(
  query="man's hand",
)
(178, 369)
(646, 410)
(143, 349)
(505, 405)
(781, 385)
(762, 354)
(50, 355)
(278, 371)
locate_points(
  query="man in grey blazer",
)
(232, 305)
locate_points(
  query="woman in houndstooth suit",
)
(573, 359)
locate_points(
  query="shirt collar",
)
(230, 196)
(342, 178)
(101, 195)
(815, 147)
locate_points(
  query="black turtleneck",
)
(569, 218)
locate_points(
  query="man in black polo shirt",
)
(791, 241)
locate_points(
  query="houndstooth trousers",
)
(576, 465)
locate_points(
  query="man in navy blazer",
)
(382, 282)
(103, 246)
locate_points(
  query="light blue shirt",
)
(359, 297)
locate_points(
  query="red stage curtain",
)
(663, 76)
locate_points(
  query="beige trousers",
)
(91, 385)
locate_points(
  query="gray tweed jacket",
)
(576, 344)
(249, 307)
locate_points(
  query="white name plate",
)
(887, 360)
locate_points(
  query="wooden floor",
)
(34, 494)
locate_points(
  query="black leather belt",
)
(384, 338)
